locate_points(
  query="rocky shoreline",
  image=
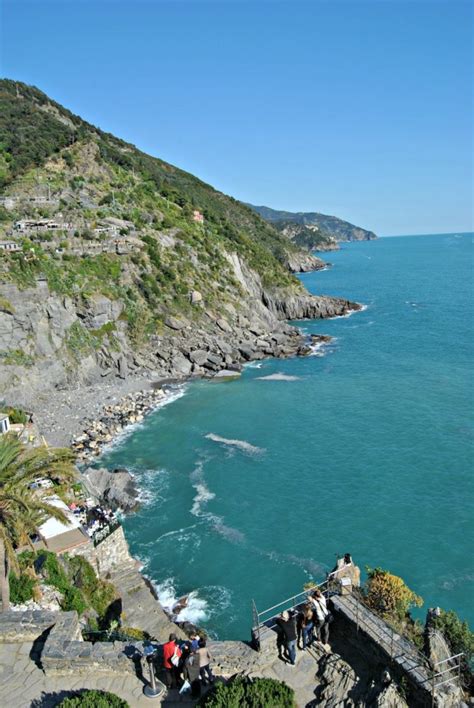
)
(114, 419)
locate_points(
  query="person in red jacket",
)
(171, 655)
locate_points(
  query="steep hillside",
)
(116, 263)
(328, 227)
(307, 236)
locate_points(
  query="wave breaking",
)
(240, 444)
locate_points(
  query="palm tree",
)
(22, 509)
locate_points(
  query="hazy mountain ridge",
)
(297, 226)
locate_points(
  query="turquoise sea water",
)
(368, 449)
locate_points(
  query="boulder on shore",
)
(116, 489)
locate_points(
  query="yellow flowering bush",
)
(388, 595)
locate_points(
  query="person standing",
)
(192, 674)
(171, 656)
(288, 624)
(322, 616)
(307, 625)
(205, 658)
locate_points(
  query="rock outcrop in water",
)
(300, 307)
(116, 488)
(305, 262)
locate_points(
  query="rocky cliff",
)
(118, 264)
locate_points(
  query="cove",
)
(252, 487)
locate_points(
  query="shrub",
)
(102, 597)
(244, 692)
(16, 357)
(53, 572)
(73, 599)
(134, 633)
(16, 415)
(21, 587)
(388, 595)
(97, 593)
(94, 699)
(460, 639)
(6, 306)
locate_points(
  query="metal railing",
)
(454, 671)
(395, 643)
(103, 533)
(267, 615)
(261, 618)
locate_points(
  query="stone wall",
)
(64, 651)
(109, 555)
(25, 626)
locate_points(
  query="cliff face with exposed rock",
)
(60, 348)
(120, 265)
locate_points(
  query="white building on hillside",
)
(57, 536)
(4, 424)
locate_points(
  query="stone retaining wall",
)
(16, 627)
(64, 651)
(108, 555)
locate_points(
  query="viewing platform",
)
(365, 641)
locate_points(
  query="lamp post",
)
(155, 688)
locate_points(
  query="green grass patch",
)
(16, 357)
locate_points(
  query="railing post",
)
(256, 625)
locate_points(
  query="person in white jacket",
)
(322, 616)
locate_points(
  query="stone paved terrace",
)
(24, 685)
(42, 660)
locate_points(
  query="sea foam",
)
(278, 377)
(240, 444)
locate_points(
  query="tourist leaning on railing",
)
(287, 623)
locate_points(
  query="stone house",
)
(11, 246)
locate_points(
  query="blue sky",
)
(362, 109)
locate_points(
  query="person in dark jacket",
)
(288, 624)
(307, 625)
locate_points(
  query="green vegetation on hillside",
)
(305, 236)
(125, 226)
(43, 128)
(74, 578)
(460, 639)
